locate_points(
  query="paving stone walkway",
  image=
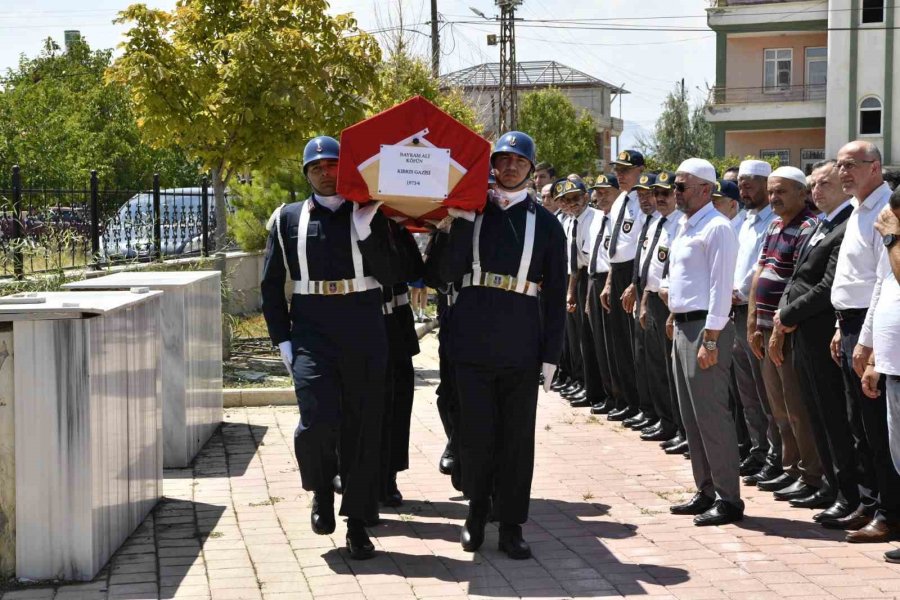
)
(236, 527)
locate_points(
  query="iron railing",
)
(50, 229)
(783, 93)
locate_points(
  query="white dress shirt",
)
(856, 271)
(602, 253)
(658, 257)
(883, 320)
(582, 235)
(701, 266)
(632, 222)
(751, 238)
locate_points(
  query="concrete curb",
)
(254, 397)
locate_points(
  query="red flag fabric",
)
(418, 124)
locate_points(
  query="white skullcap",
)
(698, 167)
(756, 168)
(790, 173)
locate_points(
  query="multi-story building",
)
(799, 78)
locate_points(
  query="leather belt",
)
(499, 282)
(694, 315)
(339, 287)
(851, 314)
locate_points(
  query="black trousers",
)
(822, 387)
(659, 369)
(648, 383)
(573, 345)
(621, 335)
(448, 405)
(593, 381)
(598, 321)
(398, 405)
(880, 483)
(498, 408)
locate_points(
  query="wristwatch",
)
(711, 345)
(890, 239)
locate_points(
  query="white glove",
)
(548, 371)
(458, 213)
(362, 218)
(287, 356)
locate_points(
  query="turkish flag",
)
(421, 126)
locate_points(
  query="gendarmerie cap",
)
(699, 168)
(756, 168)
(790, 173)
(665, 180)
(605, 182)
(727, 189)
(646, 181)
(629, 158)
(566, 186)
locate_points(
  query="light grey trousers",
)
(893, 414)
(708, 422)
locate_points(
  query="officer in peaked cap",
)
(503, 332)
(332, 338)
(727, 200)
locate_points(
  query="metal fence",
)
(49, 229)
(783, 93)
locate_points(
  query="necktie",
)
(617, 227)
(597, 243)
(573, 247)
(652, 249)
(635, 271)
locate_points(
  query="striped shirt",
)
(776, 261)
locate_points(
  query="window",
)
(870, 116)
(777, 76)
(784, 156)
(816, 73)
(873, 11)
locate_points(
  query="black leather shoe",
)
(635, 419)
(780, 482)
(821, 499)
(472, 535)
(721, 513)
(678, 449)
(322, 515)
(645, 424)
(652, 428)
(657, 436)
(358, 542)
(751, 466)
(676, 439)
(697, 505)
(601, 409)
(392, 495)
(765, 474)
(337, 485)
(572, 388)
(838, 510)
(445, 465)
(857, 519)
(580, 403)
(798, 489)
(559, 384)
(622, 414)
(511, 542)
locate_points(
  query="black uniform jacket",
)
(402, 337)
(496, 327)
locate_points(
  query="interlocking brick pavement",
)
(235, 526)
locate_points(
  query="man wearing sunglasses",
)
(700, 277)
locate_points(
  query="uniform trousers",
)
(648, 384)
(447, 404)
(822, 387)
(497, 411)
(398, 405)
(593, 380)
(799, 455)
(703, 398)
(621, 335)
(573, 346)
(599, 323)
(660, 362)
(880, 483)
(765, 439)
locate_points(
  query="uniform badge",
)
(644, 245)
(512, 140)
(606, 242)
(497, 280)
(319, 148)
(663, 177)
(719, 186)
(624, 156)
(627, 225)
(332, 287)
(644, 179)
(662, 254)
(602, 179)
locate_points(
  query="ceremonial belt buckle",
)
(333, 288)
(503, 282)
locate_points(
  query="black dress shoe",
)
(392, 496)
(472, 535)
(511, 542)
(838, 510)
(678, 449)
(766, 473)
(645, 424)
(676, 439)
(657, 436)
(798, 489)
(821, 499)
(697, 505)
(580, 403)
(751, 465)
(570, 389)
(559, 384)
(721, 513)
(322, 515)
(337, 485)
(358, 542)
(652, 428)
(857, 519)
(780, 482)
(621, 414)
(445, 465)
(602, 408)
(635, 419)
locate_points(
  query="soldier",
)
(332, 339)
(502, 334)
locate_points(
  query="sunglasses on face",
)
(681, 187)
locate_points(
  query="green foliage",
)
(564, 138)
(721, 163)
(255, 201)
(58, 121)
(681, 132)
(242, 85)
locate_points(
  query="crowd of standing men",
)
(745, 322)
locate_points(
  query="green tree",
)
(242, 85)
(58, 121)
(255, 200)
(681, 132)
(564, 138)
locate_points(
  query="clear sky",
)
(648, 63)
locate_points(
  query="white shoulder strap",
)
(527, 251)
(358, 274)
(302, 230)
(276, 220)
(476, 248)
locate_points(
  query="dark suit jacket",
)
(808, 293)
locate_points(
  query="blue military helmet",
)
(320, 148)
(515, 142)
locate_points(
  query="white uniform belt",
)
(398, 301)
(500, 282)
(335, 288)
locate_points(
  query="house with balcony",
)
(799, 78)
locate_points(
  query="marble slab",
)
(88, 425)
(191, 323)
(7, 456)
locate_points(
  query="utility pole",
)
(435, 42)
(508, 105)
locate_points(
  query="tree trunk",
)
(221, 215)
